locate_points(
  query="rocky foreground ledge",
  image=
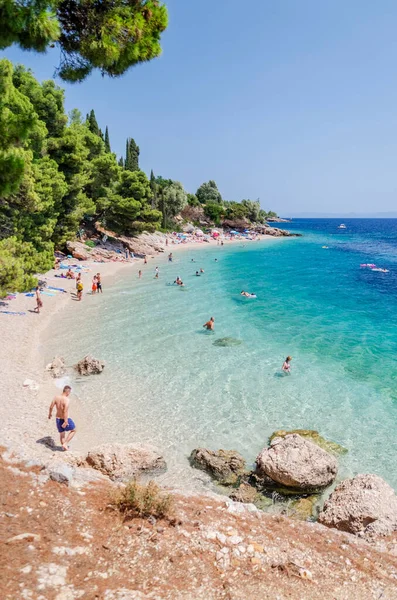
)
(63, 542)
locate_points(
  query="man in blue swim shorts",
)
(65, 424)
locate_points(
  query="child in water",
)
(286, 366)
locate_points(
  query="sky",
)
(293, 102)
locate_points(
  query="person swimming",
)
(209, 325)
(201, 270)
(197, 274)
(286, 366)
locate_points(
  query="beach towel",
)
(10, 312)
(57, 289)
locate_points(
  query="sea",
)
(170, 383)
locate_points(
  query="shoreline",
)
(24, 414)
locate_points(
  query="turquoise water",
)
(167, 383)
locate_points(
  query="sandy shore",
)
(24, 425)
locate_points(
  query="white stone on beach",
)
(28, 537)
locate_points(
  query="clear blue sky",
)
(294, 102)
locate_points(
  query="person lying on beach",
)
(65, 425)
(70, 274)
(39, 302)
(209, 325)
(286, 366)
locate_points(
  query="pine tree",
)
(132, 155)
(121, 162)
(93, 124)
(107, 141)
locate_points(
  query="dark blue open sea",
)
(166, 382)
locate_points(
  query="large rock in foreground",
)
(90, 366)
(226, 466)
(297, 463)
(125, 461)
(365, 505)
(314, 437)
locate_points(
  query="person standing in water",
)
(286, 366)
(145, 260)
(98, 283)
(157, 273)
(209, 325)
(139, 274)
(65, 425)
(94, 284)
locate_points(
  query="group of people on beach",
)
(65, 425)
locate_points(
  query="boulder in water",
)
(56, 367)
(227, 341)
(314, 437)
(245, 493)
(90, 366)
(365, 505)
(297, 463)
(226, 466)
(124, 461)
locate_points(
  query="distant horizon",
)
(310, 215)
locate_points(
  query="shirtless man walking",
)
(65, 425)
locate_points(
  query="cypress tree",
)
(132, 155)
(107, 141)
(121, 162)
(153, 187)
(93, 124)
(127, 153)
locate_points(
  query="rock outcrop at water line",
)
(365, 505)
(297, 463)
(275, 231)
(124, 461)
(245, 493)
(314, 437)
(56, 367)
(90, 366)
(226, 466)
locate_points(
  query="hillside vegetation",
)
(57, 170)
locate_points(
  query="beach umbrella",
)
(234, 232)
(199, 232)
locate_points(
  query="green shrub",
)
(144, 500)
(90, 243)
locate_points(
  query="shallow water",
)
(167, 383)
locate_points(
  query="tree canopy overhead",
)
(110, 35)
